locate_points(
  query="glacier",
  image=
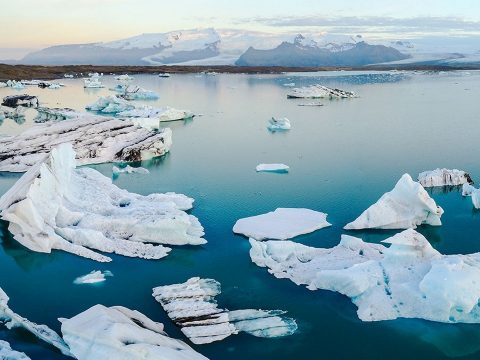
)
(406, 206)
(56, 206)
(281, 224)
(93, 277)
(119, 333)
(444, 177)
(192, 306)
(319, 91)
(408, 279)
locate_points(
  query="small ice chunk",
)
(129, 170)
(406, 206)
(281, 224)
(279, 124)
(444, 177)
(272, 168)
(94, 277)
(124, 77)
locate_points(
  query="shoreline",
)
(40, 72)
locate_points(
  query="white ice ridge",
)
(118, 333)
(138, 93)
(193, 307)
(279, 124)
(272, 168)
(96, 139)
(7, 353)
(444, 177)
(406, 206)
(281, 224)
(409, 279)
(93, 277)
(129, 170)
(43, 332)
(55, 205)
(110, 105)
(319, 91)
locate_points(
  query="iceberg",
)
(278, 124)
(467, 189)
(164, 75)
(7, 353)
(406, 206)
(96, 139)
(119, 333)
(93, 277)
(272, 168)
(193, 307)
(138, 93)
(93, 82)
(281, 224)
(124, 77)
(129, 170)
(54, 86)
(17, 85)
(3, 84)
(409, 279)
(56, 206)
(160, 114)
(45, 114)
(25, 100)
(319, 91)
(444, 177)
(110, 105)
(43, 332)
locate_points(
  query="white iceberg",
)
(272, 168)
(138, 93)
(160, 114)
(3, 84)
(124, 77)
(319, 91)
(54, 86)
(6, 352)
(45, 114)
(93, 81)
(119, 333)
(129, 170)
(96, 139)
(43, 332)
(467, 189)
(408, 205)
(164, 75)
(55, 206)
(444, 177)
(93, 277)
(193, 307)
(15, 84)
(110, 105)
(409, 279)
(281, 224)
(279, 124)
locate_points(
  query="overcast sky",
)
(33, 24)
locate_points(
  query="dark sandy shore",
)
(19, 72)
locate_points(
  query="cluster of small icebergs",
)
(319, 91)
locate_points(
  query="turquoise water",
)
(342, 157)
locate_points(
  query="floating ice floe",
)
(110, 105)
(124, 77)
(43, 332)
(68, 76)
(409, 279)
(20, 100)
(138, 93)
(278, 124)
(120, 88)
(55, 206)
(7, 353)
(96, 139)
(94, 277)
(281, 224)
(129, 170)
(310, 104)
(164, 75)
(408, 205)
(93, 81)
(193, 307)
(319, 91)
(467, 189)
(45, 114)
(444, 177)
(279, 168)
(120, 333)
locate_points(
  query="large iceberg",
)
(193, 307)
(43, 332)
(278, 124)
(281, 224)
(7, 353)
(319, 91)
(110, 105)
(55, 205)
(444, 177)
(406, 206)
(119, 333)
(409, 279)
(96, 139)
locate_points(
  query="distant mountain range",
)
(243, 48)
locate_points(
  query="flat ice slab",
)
(272, 168)
(118, 333)
(54, 205)
(444, 177)
(192, 306)
(408, 205)
(409, 279)
(281, 224)
(95, 139)
(94, 277)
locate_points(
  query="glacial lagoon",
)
(342, 156)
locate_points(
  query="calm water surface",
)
(342, 156)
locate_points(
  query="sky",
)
(35, 24)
